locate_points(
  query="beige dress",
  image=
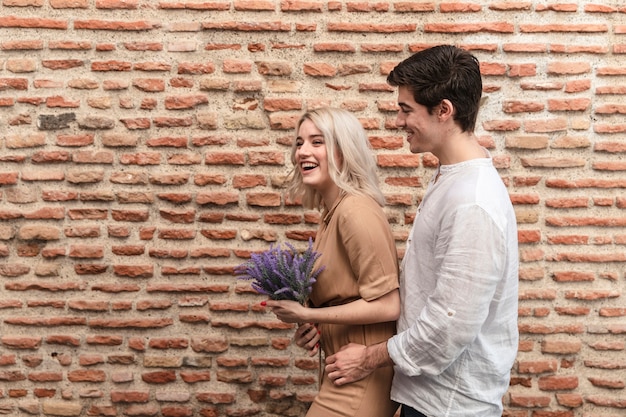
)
(359, 254)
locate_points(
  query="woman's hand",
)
(288, 311)
(308, 336)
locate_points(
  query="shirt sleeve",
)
(469, 257)
(369, 244)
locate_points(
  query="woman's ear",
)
(339, 160)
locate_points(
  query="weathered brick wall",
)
(143, 145)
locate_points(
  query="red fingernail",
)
(263, 303)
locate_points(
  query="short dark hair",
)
(443, 72)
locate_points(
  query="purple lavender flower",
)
(282, 274)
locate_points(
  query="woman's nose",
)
(304, 148)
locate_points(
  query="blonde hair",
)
(345, 137)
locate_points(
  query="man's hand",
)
(348, 365)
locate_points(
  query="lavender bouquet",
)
(282, 274)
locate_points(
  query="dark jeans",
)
(407, 411)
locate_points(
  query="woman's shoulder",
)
(358, 204)
(359, 200)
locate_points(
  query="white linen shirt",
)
(457, 332)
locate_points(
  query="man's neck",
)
(460, 148)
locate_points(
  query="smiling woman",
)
(337, 132)
(355, 298)
(312, 161)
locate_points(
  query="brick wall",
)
(143, 148)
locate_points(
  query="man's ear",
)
(445, 109)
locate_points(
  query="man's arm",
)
(354, 362)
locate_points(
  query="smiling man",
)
(457, 332)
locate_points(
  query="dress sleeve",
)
(369, 244)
